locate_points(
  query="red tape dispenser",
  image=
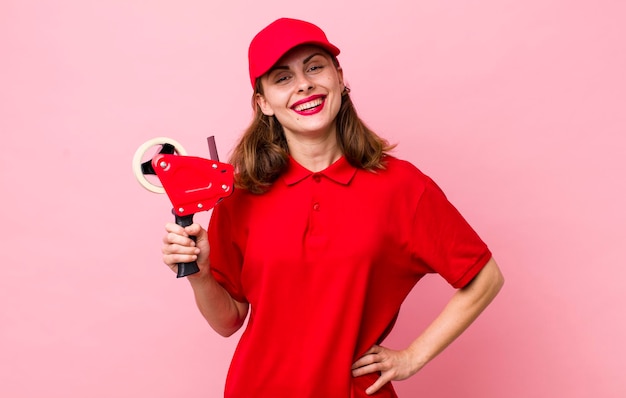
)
(192, 184)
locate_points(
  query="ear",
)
(264, 105)
(340, 75)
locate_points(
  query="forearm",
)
(223, 313)
(462, 309)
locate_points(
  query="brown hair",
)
(262, 154)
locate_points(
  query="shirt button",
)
(316, 207)
(317, 178)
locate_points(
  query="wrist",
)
(418, 359)
(201, 278)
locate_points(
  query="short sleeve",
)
(443, 241)
(226, 255)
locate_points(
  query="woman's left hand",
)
(462, 309)
(392, 365)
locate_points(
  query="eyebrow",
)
(285, 67)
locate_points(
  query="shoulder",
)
(234, 203)
(400, 166)
(404, 173)
(400, 185)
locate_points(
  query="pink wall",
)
(517, 109)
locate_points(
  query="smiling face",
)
(303, 90)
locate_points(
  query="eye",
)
(282, 78)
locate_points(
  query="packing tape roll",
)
(141, 151)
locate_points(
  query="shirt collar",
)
(341, 172)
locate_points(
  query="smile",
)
(309, 106)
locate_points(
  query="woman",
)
(324, 238)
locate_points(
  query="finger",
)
(195, 230)
(365, 360)
(371, 363)
(171, 227)
(173, 238)
(173, 259)
(380, 382)
(176, 235)
(187, 248)
(370, 356)
(373, 350)
(367, 369)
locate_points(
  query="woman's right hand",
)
(178, 247)
(222, 312)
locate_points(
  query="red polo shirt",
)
(325, 260)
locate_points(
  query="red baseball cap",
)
(270, 44)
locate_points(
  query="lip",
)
(311, 111)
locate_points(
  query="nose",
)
(303, 83)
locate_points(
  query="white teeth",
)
(308, 105)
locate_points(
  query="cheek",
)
(273, 103)
(336, 105)
(337, 94)
(277, 99)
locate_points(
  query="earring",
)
(346, 90)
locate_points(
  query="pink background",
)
(516, 108)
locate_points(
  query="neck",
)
(314, 154)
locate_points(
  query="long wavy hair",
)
(262, 154)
